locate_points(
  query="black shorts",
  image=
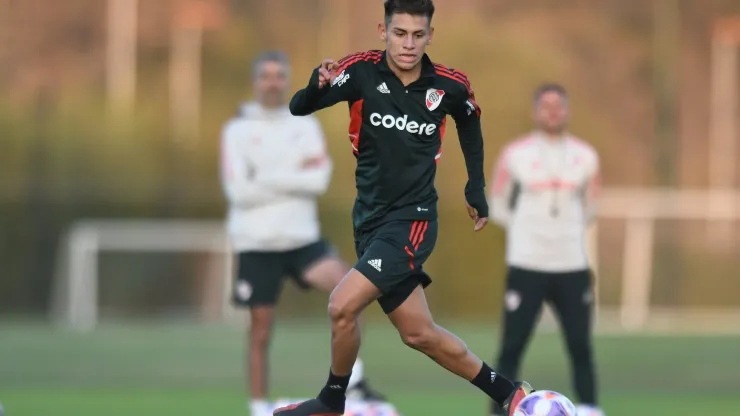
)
(528, 289)
(260, 274)
(391, 256)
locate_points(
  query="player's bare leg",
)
(325, 275)
(260, 333)
(353, 294)
(418, 330)
(416, 326)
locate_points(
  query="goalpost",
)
(75, 292)
(76, 283)
(640, 208)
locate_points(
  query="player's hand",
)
(327, 72)
(480, 222)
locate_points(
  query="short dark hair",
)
(549, 87)
(412, 7)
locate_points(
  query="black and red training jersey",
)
(396, 133)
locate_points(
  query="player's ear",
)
(382, 32)
(431, 35)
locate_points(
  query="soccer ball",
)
(545, 403)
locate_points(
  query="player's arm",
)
(591, 191)
(501, 191)
(237, 178)
(331, 83)
(313, 175)
(467, 121)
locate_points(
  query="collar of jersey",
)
(427, 70)
(542, 138)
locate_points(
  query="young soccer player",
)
(274, 167)
(398, 102)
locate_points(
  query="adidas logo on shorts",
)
(375, 263)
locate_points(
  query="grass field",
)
(187, 370)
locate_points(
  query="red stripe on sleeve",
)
(355, 125)
(442, 129)
(350, 60)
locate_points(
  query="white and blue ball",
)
(545, 403)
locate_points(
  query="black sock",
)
(493, 384)
(333, 393)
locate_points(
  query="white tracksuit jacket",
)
(273, 167)
(544, 194)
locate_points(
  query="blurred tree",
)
(635, 87)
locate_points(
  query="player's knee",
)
(342, 315)
(423, 338)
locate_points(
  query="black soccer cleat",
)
(362, 391)
(522, 389)
(311, 407)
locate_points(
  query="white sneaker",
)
(587, 410)
(260, 408)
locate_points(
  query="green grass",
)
(186, 370)
(214, 402)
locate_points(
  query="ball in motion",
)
(545, 403)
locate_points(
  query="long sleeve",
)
(313, 174)
(312, 98)
(468, 124)
(501, 192)
(236, 177)
(591, 192)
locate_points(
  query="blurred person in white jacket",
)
(274, 166)
(544, 195)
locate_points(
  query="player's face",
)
(406, 37)
(551, 113)
(271, 84)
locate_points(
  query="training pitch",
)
(187, 370)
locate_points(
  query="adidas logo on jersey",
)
(402, 123)
(384, 89)
(375, 263)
